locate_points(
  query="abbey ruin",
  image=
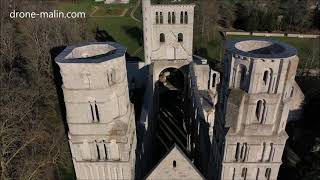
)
(173, 116)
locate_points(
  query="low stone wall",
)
(243, 33)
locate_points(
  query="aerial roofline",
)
(118, 51)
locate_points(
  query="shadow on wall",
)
(54, 52)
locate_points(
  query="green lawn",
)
(308, 49)
(123, 30)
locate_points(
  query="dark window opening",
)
(214, 76)
(162, 38)
(180, 37)
(97, 111)
(181, 17)
(237, 152)
(186, 17)
(157, 18)
(92, 113)
(174, 164)
(98, 152)
(244, 172)
(161, 18)
(265, 77)
(169, 17)
(105, 149)
(173, 18)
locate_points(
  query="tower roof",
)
(91, 52)
(260, 48)
(182, 168)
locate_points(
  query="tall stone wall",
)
(100, 116)
(258, 94)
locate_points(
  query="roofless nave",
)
(193, 122)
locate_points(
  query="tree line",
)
(33, 143)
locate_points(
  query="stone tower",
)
(100, 116)
(258, 86)
(168, 31)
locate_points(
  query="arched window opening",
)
(271, 152)
(98, 152)
(162, 38)
(174, 164)
(105, 149)
(244, 172)
(161, 18)
(243, 152)
(92, 113)
(241, 76)
(260, 108)
(214, 76)
(97, 111)
(157, 18)
(265, 77)
(181, 17)
(268, 173)
(258, 171)
(169, 17)
(186, 17)
(180, 37)
(173, 18)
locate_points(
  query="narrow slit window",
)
(265, 77)
(181, 17)
(157, 18)
(169, 17)
(105, 149)
(98, 152)
(92, 113)
(174, 164)
(97, 111)
(237, 152)
(161, 18)
(173, 18)
(186, 17)
(214, 76)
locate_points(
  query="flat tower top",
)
(91, 52)
(260, 48)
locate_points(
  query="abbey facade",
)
(173, 116)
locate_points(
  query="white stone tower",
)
(100, 116)
(258, 82)
(168, 31)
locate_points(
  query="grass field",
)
(111, 26)
(308, 49)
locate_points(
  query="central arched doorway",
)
(171, 128)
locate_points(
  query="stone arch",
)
(172, 75)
